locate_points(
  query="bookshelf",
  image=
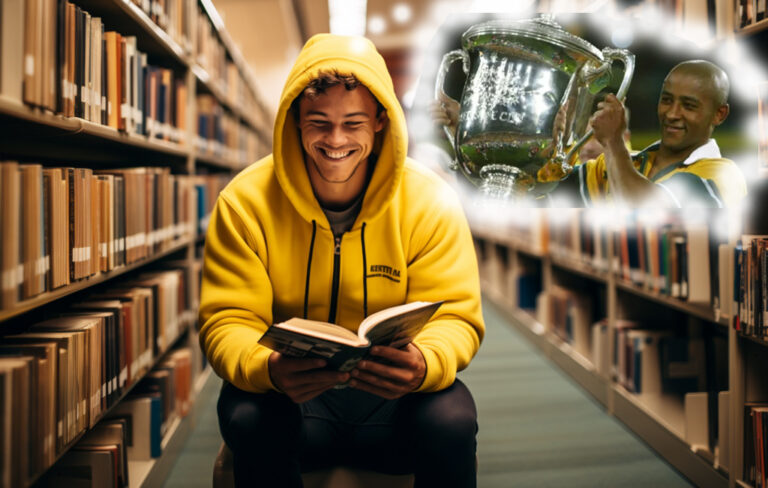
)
(659, 418)
(186, 41)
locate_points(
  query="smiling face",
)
(688, 112)
(338, 128)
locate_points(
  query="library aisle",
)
(537, 429)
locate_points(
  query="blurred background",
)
(412, 35)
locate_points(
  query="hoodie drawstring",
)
(365, 273)
(309, 267)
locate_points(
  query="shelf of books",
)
(122, 121)
(153, 472)
(749, 297)
(608, 298)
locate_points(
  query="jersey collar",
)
(708, 150)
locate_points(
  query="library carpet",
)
(537, 428)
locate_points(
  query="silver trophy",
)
(528, 95)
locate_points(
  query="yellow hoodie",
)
(269, 252)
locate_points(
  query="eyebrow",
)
(323, 114)
(684, 98)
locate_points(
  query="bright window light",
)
(402, 13)
(377, 24)
(347, 17)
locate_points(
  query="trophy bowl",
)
(529, 90)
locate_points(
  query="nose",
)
(336, 137)
(673, 112)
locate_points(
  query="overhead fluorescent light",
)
(377, 24)
(347, 17)
(402, 13)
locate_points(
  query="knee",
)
(449, 418)
(454, 426)
(244, 418)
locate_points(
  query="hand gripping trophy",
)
(528, 95)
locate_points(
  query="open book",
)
(341, 348)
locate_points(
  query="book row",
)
(61, 375)
(222, 135)
(664, 253)
(756, 444)
(680, 367)
(80, 69)
(132, 431)
(178, 18)
(750, 278)
(72, 65)
(749, 12)
(211, 54)
(684, 259)
(61, 225)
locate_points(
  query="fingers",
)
(366, 369)
(392, 374)
(399, 356)
(440, 114)
(385, 384)
(301, 378)
(297, 365)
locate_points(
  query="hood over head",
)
(345, 55)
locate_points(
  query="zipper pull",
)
(337, 247)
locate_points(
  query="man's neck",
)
(341, 196)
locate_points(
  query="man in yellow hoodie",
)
(306, 232)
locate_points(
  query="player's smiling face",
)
(337, 132)
(687, 112)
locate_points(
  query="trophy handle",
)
(609, 55)
(445, 65)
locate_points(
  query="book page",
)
(396, 326)
(322, 330)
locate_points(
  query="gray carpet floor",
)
(537, 428)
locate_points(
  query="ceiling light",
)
(377, 24)
(347, 17)
(402, 13)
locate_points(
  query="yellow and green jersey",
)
(703, 179)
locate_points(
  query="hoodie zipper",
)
(335, 282)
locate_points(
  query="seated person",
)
(298, 234)
(684, 168)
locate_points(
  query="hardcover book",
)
(342, 348)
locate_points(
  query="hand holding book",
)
(302, 379)
(306, 346)
(390, 373)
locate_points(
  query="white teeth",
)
(337, 155)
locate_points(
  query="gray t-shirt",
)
(343, 220)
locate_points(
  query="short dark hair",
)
(325, 80)
(712, 74)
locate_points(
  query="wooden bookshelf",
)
(59, 293)
(32, 134)
(753, 28)
(188, 321)
(580, 268)
(659, 419)
(128, 18)
(701, 311)
(148, 474)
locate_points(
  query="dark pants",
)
(274, 440)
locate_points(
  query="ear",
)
(381, 121)
(721, 113)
